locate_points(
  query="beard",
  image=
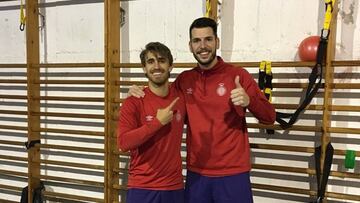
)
(158, 81)
(206, 62)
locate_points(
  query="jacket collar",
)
(218, 67)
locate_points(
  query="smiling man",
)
(217, 95)
(151, 129)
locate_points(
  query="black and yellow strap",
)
(208, 9)
(315, 77)
(265, 79)
(265, 83)
(22, 16)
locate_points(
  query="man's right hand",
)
(136, 91)
(165, 115)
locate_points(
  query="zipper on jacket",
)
(203, 75)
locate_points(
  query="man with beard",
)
(217, 95)
(151, 129)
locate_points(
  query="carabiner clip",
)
(22, 26)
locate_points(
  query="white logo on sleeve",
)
(221, 90)
(149, 118)
(178, 116)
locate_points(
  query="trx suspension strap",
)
(322, 176)
(265, 83)
(315, 77)
(22, 16)
(208, 9)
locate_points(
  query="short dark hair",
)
(156, 47)
(202, 23)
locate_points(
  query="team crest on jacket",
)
(149, 118)
(221, 90)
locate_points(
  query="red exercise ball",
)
(308, 48)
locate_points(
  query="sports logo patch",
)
(149, 118)
(189, 90)
(178, 116)
(221, 90)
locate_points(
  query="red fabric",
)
(155, 161)
(217, 137)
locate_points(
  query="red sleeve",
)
(259, 106)
(131, 132)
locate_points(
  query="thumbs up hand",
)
(165, 115)
(238, 96)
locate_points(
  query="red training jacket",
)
(217, 137)
(155, 161)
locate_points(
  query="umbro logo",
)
(149, 118)
(189, 91)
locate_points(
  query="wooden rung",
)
(13, 97)
(346, 63)
(344, 108)
(292, 85)
(342, 196)
(121, 170)
(74, 132)
(283, 168)
(129, 83)
(68, 65)
(11, 112)
(15, 143)
(13, 173)
(14, 158)
(278, 127)
(13, 81)
(68, 115)
(282, 148)
(126, 65)
(71, 180)
(68, 197)
(308, 171)
(119, 100)
(340, 174)
(117, 152)
(72, 148)
(10, 187)
(295, 106)
(283, 189)
(343, 152)
(343, 130)
(350, 108)
(184, 65)
(72, 164)
(80, 82)
(9, 127)
(13, 65)
(276, 64)
(345, 85)
(287, 64)
(83, 99)
(119, 187)
(8, 201)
